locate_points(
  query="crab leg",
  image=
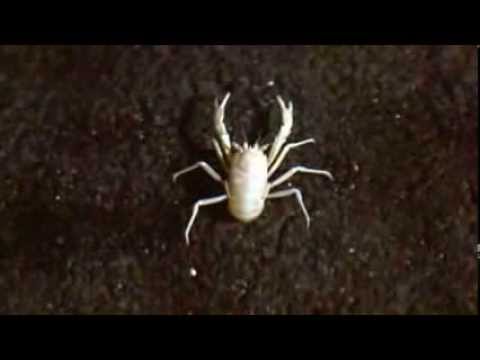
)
(278, 161)
(207, 168)
(203, 202)
(298, 195)
(302, 169)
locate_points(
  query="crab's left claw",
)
(220, 129)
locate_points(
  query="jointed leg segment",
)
(208, 169)
(276, 162)
(298, 194)
(296, 169)
(203, 202)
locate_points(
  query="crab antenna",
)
(259, 139)
(244, 132)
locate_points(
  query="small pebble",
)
(193, 272)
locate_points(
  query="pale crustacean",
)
(249, 169)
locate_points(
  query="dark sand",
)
(90, 221)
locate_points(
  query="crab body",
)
(249, 169)
(247, 183)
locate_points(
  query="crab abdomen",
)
(247, 184)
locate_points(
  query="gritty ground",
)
(90, 221)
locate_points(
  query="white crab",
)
(249, 169)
